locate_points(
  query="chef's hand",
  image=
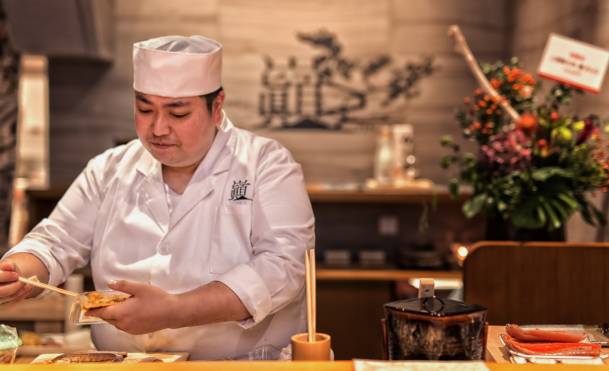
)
(148, 309)
(11, 290)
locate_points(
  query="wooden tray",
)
(131, 357)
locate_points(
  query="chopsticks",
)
(34, 282)
(311, 294)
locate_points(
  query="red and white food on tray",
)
(548, 342)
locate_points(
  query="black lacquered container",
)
(432, 328)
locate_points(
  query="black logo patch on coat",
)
(239, 190)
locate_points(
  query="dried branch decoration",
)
(461, 44)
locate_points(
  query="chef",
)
(204, 224)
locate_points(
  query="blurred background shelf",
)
(383, 275)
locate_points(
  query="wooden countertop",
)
(266, 366)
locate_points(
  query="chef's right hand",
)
(11, 290)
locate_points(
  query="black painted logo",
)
(239, 190)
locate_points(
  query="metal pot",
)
(432, 328)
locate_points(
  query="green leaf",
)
(447, 140)
(547, 172)
(569, 200)
(446, 162)
(527, 216)
(563, 213)
(474, 205)
(555, 222)
(541, 215)
(453, 187)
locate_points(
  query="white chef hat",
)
(177, 66)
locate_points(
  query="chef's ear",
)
(217, 107)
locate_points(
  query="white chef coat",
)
(245, 219)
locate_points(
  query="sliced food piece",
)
(535, 334)
(97, 299)
(553, 349)
(89, 357)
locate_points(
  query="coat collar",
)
(216, 161)
(202, 183)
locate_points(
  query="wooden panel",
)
(539, 283)
(490, 14)
(433, 37)
(268, 26)
(532, 272)
(351, 313)
(488, 284)
(161, 9)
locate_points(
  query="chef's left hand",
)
(148, 309)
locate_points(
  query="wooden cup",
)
(319, 350)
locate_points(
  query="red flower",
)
(554, 116)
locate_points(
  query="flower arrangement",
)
(536, 171)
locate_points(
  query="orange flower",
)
(495, 83)
(516, 72)
(527, 122)
(527, 79)
(517, 87)
(481, 104)
(466, 100)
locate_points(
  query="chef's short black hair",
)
(210, 98)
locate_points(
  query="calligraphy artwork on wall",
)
(333, 91)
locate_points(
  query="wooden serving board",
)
(131, 357)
